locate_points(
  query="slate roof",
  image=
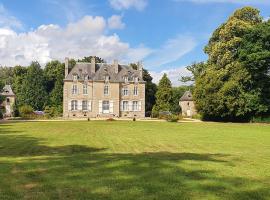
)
(81, 69)
(187, 96)
(7, 91)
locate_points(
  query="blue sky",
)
(166, 35)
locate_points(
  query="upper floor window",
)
(125, 91)
(75, 77)
(84, 105)
(74, 89)
(106, 90)
(74, 105)
(107, 78)
(85, 77)
(135, 91)
(85, 88)
(136, 79)
(126, 79)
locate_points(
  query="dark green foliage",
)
(6, 74)
(33, 88)
(51, 112)
(88, 59)
(163, 95)
(173, 118)
(26, 111)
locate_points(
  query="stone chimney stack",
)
(93, 65)
(140, 68)
(115, 65)
(66, 66)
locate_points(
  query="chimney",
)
(93, 65)
(140, 68)
(66, 67)
(115, 65)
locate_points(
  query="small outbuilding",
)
(9, 100)
(187, 105)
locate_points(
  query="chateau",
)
(103, 90)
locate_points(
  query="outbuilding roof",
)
(187, 96)
(7, 91)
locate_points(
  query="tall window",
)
(84, 105)
(85, 89)
(106, 90)
(105, 106)
(135, 106)
(74, 105)
(136, 79)
(74, 89)
(135, 91)
(125, 91)
(126, 79)
(125, 105)
(107, 78)
(75, 77)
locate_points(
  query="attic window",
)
(107, 78)
(125, 79)
(75, 77)
(85, 77)
(136, 79)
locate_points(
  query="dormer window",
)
(136, 79)
(126, 79)
(85, 77)
(107, 78)
(75, 77)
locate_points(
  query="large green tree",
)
(223, 91)
(33, 88)
(163, 95)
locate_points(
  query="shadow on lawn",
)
(29, 170)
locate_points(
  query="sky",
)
(166, 35)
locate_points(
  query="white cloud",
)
(228, 1)
(127, 4)
(84, 37)
(174, 75)
(171, 51)
(115, 22)
(7, 20)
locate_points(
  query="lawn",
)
(124, 160)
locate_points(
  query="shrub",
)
(197, 116)
(173, 118)
(26, 111)
(164, 115)
(154, 114)
(264, 119)
(1, 115)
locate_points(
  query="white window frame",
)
(74, 105)
(75, 77)
(85, 103)
(74, 89)
(106, 90)
(107, 78)
(125, 106)
(136, 79)
(85, 89)
(125, 91)
(135, 91)
(125, 79)
(106, 111)
(135, 106)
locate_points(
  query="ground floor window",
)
(84, 105)
(125, 105)
(74, 105)
(105, 106)
(135, 106)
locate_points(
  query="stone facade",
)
(187, 105)
(9, 100)
(103, 90)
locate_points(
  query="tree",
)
(254, 53)
(88, 59)
(33, 87)
(150, 90)
(54, 74)
(6, 75)
(223, 90)
(163, 96)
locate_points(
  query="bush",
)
(164, 115)
(26, 111)
(1, 115)
(197, 116)
(173, 118)
(154, 114)
(265, 119)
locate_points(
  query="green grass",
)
(134, 160)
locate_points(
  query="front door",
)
(189, 113)
(8, 111)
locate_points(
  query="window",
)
(74, 105)
(136, 79)
(107, 78)
(84, 105)
(135, 106)
(74, 89)
(75, 77)
(135, 91)
(125, 91)
(106, 90)
(125, 79)
(85, 77)
(7, 100)
(85, 89)
(105, 106)
(125, 105)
